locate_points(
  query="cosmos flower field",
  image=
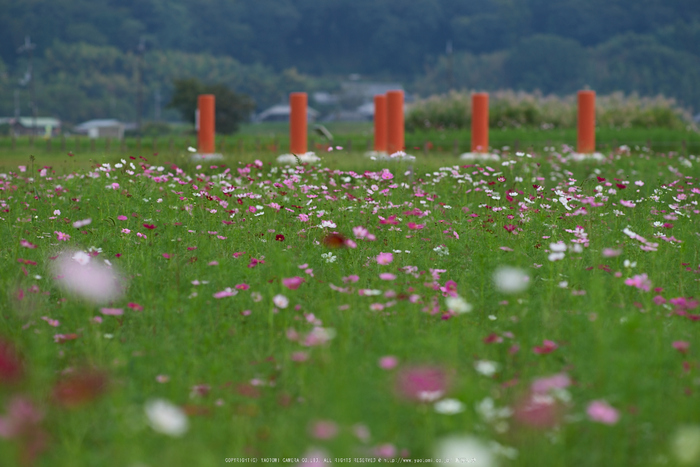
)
(531, 311)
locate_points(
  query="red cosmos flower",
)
(279, 237)
(135, 306)
(79, 388)
(334, 240)
(149, 226)
(620, 186)
(546, 347)
(390, 220)
(11, 368)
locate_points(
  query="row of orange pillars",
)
(389, 123)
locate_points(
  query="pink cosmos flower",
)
(414, 226)
(122, 218)
(390, 220)
(681, 346)
(26, 244)
(386, 175)
(422, 383)
(544, 385)
(134, 306)
(388, 362)
(82, 223)
(112, 311)
(387, 276)
(166, 256)
(546, 347)
(385, 258)
(351, 278)
(91, 280)
(242, 286)
(640, 281)
(62, 237)
(303, 218)
(538, 410)
(385, 451)
(601, 411)
(293, 283)
(238, 254)
(227, 292)
(299, 356)
(254, 262)
(611, 252)
(324, 429)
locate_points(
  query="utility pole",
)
(450, 66)
(140, 49)
(28, 47)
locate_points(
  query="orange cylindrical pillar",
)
(206, 107)
(298, 123)
(480, 122)
(394, 121)
(586, 122)
(380, 132)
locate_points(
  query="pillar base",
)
(398, 156)
(206, 157)
(479, 156)
(591, 156)
(299, 158)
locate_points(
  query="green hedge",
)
(510, 109)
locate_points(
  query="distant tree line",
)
(86, 49)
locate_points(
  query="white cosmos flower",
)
(81, 258)
(166, 418)
(557, 247)
(458, 305)
(280, 301)
(510, 280)
(486, 367)
(449, 407)
(556, 256)
(328, 224)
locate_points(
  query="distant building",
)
(40, 126)
(365, 92)
(280, 113)
(102, 128)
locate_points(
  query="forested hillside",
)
(86, 50)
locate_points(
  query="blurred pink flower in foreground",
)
(90, 280)
(422, 383)
(640, 281)
(601, 411)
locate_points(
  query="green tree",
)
(231, 108)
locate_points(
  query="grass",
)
(253, 390)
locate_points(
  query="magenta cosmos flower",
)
(422, 383)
